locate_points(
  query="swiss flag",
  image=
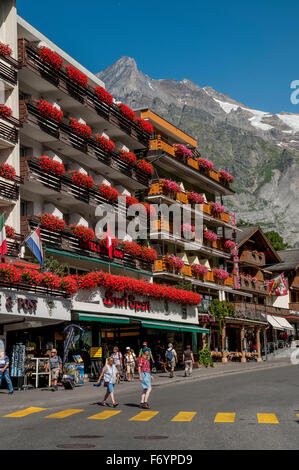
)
(109, 242)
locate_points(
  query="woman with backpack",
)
(110, 374)
(172, 358)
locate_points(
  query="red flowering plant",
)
(10, 232)
(210, 236)
(216, 208)
(5, 111)
(76, 76)
(205, 164)
(102, 240)
(50, 280)
(31, 276)
(109, 193)
(132, 248)
(145, 167)
(5, 50)
(48, 110)
(103, 95)
(52, 223)
(69, 284)
(83, 233)
(145, 125)
(229, 244)
(199, 269)
(150, 209)
(181, 150)
(171, 186)
(195, 198)
(105, 144)
(220, 274)
(51, 166)
(80, 179)
(226, 176)
(10, 274)
(7, 171)
(138, 287)
(174, 261)
(148, 254)
(127, 112)
(130, 200)
(128, 157)
(83, 130)
(50, 57)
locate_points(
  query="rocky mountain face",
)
(260, 149)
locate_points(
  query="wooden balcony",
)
(61, 134)
(259, 286)
(8, 74)
(8, 136)
(66, 242)
(29, 58)
(294, 306)
(249, 257)
(161, 265)
(252, 311)
(9, 190)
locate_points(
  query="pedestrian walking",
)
(130, 359)
(4, 371)
(110, 374)
(145, 377)
(172, 358)
(54, 364)
(148, 350)
(118, 362)
(188, 359)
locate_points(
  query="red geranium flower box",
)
(132, 248)
(195, 198)
(226, 176)
(148, 254)
(5, 50)
(7, 171)
(52, 223)
(80, 179)
(103, 95)
(48, 110)
(128, 157)
(105, 144)
(205, 164)
(83, 130)
(5, 111)
(10, 232)
(51, 166)
(145, 125)
(127, 112)
(146, 167)
(83, 233)
(76, 76)
(109, 193)
(50, 57)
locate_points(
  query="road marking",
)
(184, 416)
(267, 418)
(105, 414)
(64, 413)
(26, 412)
(225, 418)
(144, 416)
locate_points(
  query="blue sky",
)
(248, 50)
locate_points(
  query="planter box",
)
(193, 163)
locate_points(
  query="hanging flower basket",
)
(128, 157)
(216, 208)
(226, 176)
(105, 144)
(229, 244)
(7, 171)
(145, 125)
(210, 236)
(5, 111)
(205, 164)
(199, 269)
(76, 76)
(181, 150)
(83, 130)
(109, 193)
(82, 180)
(195, 198)
(83, 233)
(50, 57)
(220, 274)
(174, 262)
(10, 232)
(52, 223)
(51, 166)
(5, 50)
(103, 95)
(171, 186)
(46, 109)
(145, 167)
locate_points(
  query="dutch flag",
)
(34, 242)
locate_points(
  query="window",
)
(26, 208)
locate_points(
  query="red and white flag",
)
(278, 285)
(109, 242)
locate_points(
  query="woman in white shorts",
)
(130, 359)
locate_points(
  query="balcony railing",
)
(37, 290)
(157, 188)
(252, 257)
(258, 312)
(161, 265)
(8, 133)
(29, 57)
(66, 241)
(294, 306)
(10, 190)
(63, 132)
(9, 74)
(259, 286)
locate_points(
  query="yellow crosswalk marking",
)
(225, 418)
(144, 416)
(105, 414)
(63, 414)
(269, 418)
(26, 412)
(184, 416)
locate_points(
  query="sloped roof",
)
(289, 261)
(248, 232)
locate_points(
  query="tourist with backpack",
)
(172, 358)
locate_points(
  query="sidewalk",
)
(88, 393)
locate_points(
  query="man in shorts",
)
(130, 359)
(55, 366)
(172, 358)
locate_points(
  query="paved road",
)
(226, 412)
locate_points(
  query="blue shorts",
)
(110, 388)
(146, 380)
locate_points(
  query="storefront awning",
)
(102, 318)
(173, 326)
(284, 323)
(274, 323)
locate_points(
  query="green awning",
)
(102, 318)
(173, 326)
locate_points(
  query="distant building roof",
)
(290, 261)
